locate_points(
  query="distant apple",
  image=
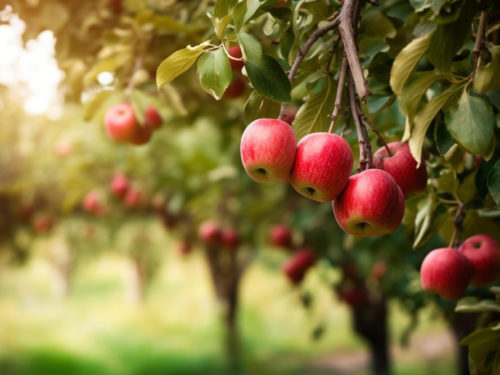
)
(372, 204)
(210, 232)
(120, 122)
(236, 88)
(379, 269)
(42, 223)
(322, 167)
(296, 267)
(281, 236)
(142, 135)
(119, 184)
(153, 118)
(483, 252)
(236, 53)
(63, 148)
(92, 203)
(133, 198)
(268, 150)
(230, 239)
(447, 272)
(290, 113)
(353, 295)
(402, 166)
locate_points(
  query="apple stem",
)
(338, 97)
(318, 33)
(476, 51)
(365, 149)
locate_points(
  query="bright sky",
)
(30, 70)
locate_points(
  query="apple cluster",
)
(211, 234)
(122, 125)
(369, 203)
(448, 271)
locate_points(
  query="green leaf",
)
(472, 124)
(287, 42)
(413, 91)
(268, 78)
(214, 72)
(177, 63)
(423, 220)
(467, 189)
(94, 105)
(406, 60)
(108, 64)
(259, 107)
(442, 138)
(173, 97)
(313, 114)
(220, 24)
(487, 77)
(251, 47)
(244, 11)
(420, 5)
(221, 8)
(493, 182)
(424, 118)
(447, 40)
(473, 305)
(375, 24)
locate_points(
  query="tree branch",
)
(350, 47)
(476, 51)
(374, 129)
(318, 33)
(365, 149)
(332, 53)
(338, 97)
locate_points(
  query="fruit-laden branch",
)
(365, 149)
(348, 14)
(476, 51)
(318, 33)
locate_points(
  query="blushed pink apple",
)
(119, 184)
(372, 204)
(402, 166)
(290, 113)
(446, 272)
(210, 232)
(230, 239)
(153, 118)
(120, 122)
(92, 203)
(236, 53)
(280, 236)
(236, 88)
(322, 167)
(133, 198)
(268, 150)
(483, 252)
(296, 267)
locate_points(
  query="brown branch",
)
(137, 66)
(332, 53)
(458, 220)
(348, 38)
(318, 33)
(476, 51)
(365, 150)
(374, 129)
(338, 97)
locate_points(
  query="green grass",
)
(176, 331)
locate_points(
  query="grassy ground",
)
(176, 331)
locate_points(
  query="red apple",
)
(142, 135)
(120, 122)
(402, 166)
(372, 204)
(63, 148)
(153, 118)
(133, 198)
(236, 53)
(353, 295)
(280, 236)
(446, 272)
(323, 164)
(281, 3)
(92, 203)
(483, 252)
(290, 113)
(296, 267)
(210, 232)
(119, 185)
(42, 223)
(379, 269)
(268, 150)
(236, 88)
(230, 239)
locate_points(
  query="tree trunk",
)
(370, 322)
(462, 325)
(134, 281)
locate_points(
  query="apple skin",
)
(483, 252)
(209, 232)
(120, 122)
(119, 185)
(142, 135)
(290, 113)
(133, 198)
(92, 203)
(236, 52)
(236, 88)
(372, 204)
(230, 239)
(280, 236)
(296, 267)
(402, 166)
(353, 295)
(446, 272)
(268, 150)
(153, 118)
(322, 167)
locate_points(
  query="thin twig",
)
(365, 150)
(332, 53)
(340, 89)
(476, 51)
(318, 33)
(137, 66)
(374, 129)
(458, 220)
(348, 38)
